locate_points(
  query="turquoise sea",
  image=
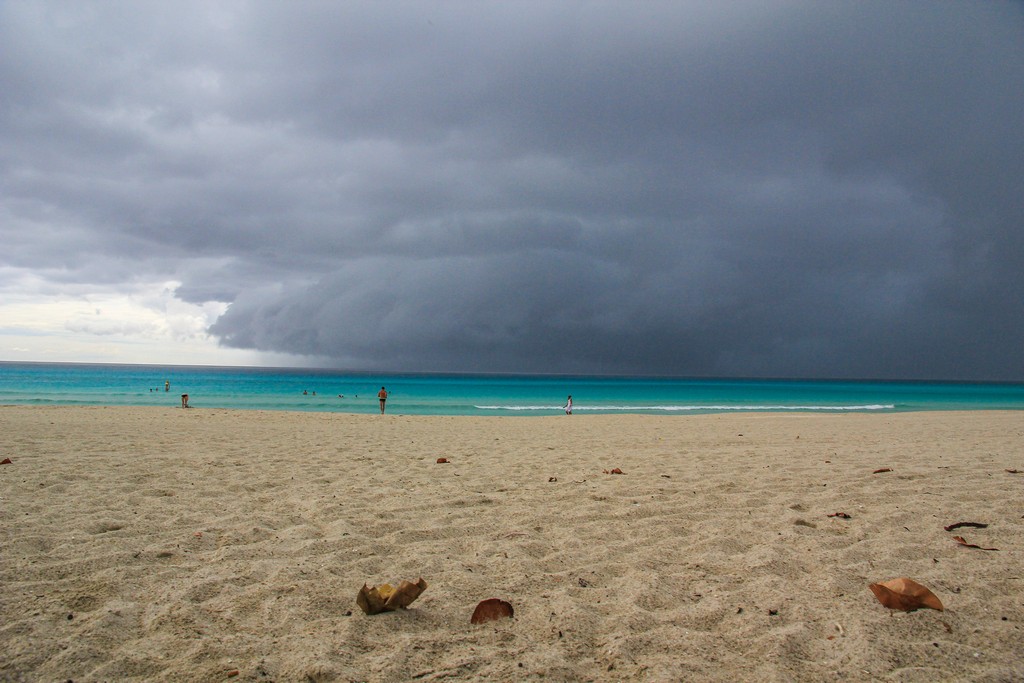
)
(431, 394)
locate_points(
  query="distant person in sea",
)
(167, 385)
(184, 400)
(383, 396)
(568, 405)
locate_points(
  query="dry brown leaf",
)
(370, 599)
(884, 469)
(6, 461)
(1014, 471)
(840, 515)
(387, 598)
(905, 594)
(491, 610)
(442, 461)
(614, 471)
(405, 594)
(975, 525)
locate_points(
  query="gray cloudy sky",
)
(827, 189)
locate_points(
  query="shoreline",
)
(144, 543)
(547, 413)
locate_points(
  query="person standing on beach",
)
(383, 396)
(568, 405)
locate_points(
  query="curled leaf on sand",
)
(1014, 471)
(973, 525)
(905, 594)
(961, 541)
(840, 515)
(491, 609)
(387, 598)
(442, 461)
(884, 469)
(614, 471)
(6, 461)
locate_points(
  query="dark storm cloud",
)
(803, 189)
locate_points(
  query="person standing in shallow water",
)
(383, 396)
(568, 405)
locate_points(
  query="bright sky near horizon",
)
(801, 189)
(143, 324)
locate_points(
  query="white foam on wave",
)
(716, 408)
(520, 407)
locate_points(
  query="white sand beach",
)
(145, 544)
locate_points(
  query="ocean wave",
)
(715, 408)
